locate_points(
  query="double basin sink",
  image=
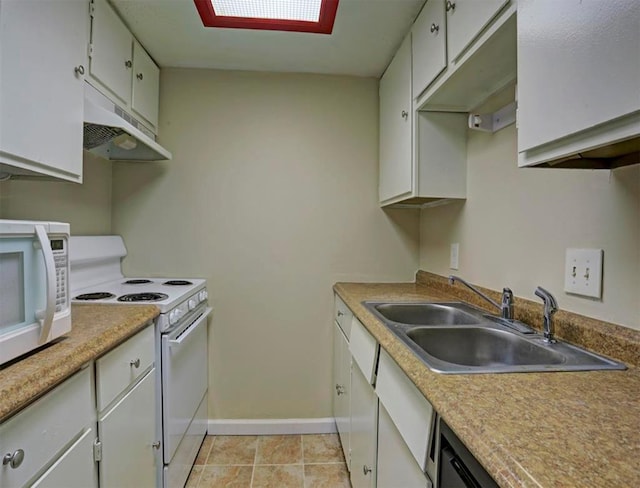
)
(457, 338)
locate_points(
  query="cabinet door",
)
(364, 408)
(75, 469)
(396, 122)
(466, 19)
(578, 67)
(127, 433)
(428, 45)
(111, 55)
(342, 388)
(146, 85)
(41, 92)
(396, 466)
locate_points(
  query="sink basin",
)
(428, 313)
(454, 338)
(478, 346)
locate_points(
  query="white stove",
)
(181, 343)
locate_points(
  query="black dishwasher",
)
(457, 466)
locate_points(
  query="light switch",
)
(453, 256)
(583, 272)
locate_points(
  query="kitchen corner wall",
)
(515, 225)
(86, 207)
(271, 196)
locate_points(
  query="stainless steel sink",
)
(428, 313)
(456, 338)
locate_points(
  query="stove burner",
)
(177, 283)
(137, 282)
(101, 295)
(142, 297)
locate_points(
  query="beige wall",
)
(515, 225)
(86, 207)
(271, 196)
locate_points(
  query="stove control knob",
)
(203, 295)
(172, 317)
(192, 303)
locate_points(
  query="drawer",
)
(342, 316)
(44, 428)
(364, 350)
(119, 368)
(409, 410)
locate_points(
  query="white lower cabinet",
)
(396, 465)
(48, 438)
(127, 433)
(342, 389)
(364, 408)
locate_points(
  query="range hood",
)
(113, 134)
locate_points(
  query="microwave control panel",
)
(61, 259)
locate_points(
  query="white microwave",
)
(34, 285)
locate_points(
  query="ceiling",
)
(365, 36)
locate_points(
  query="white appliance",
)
(181, 344)
(34, 285)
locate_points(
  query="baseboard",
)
(271, 426)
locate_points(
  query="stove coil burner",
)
(143, 297)
(101, 295)
(137, 282)
(177, 283)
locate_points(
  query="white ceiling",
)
(365, 36)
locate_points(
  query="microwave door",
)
(27, 284)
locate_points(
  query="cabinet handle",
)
(366, 470)
(128, 63)
(340, 390)
(14, 460)
(156, 445)
(434, 28)
(450, 6)
(139, 76)
(340, 314)
(79, 70)
(404, 114)
(135, 363)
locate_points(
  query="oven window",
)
(12, 306)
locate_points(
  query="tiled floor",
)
(273, 461)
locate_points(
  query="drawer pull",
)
(135, 363)
(14, 460)
(340, 313)
(366, 470)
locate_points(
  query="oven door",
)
(184, 378)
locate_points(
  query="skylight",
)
(315, 16)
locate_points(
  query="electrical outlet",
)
(453, 256)
(583, 272)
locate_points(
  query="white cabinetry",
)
(364, 407)
(578, 77)
(51, 441)
(429, 48)
(465, 20)
(42, 65)
(396, 124)
(120, 67)
(126, 383)
(342, 376)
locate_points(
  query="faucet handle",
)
(550, 304)
(507, 303)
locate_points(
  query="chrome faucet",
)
(550, 307)
(506, 307)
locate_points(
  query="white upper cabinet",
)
(396, 127)
(465, 20)
(42, 64)
(146, 85)
(120, 67)
(578, 77)
(111, 51)
(428, 45)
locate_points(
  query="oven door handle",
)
(46, 316)
(189, 330)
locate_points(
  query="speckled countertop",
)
(549, 430)
(95, 330)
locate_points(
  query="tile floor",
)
(271, 461)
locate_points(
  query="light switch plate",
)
(583, 272)
(453, 256)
